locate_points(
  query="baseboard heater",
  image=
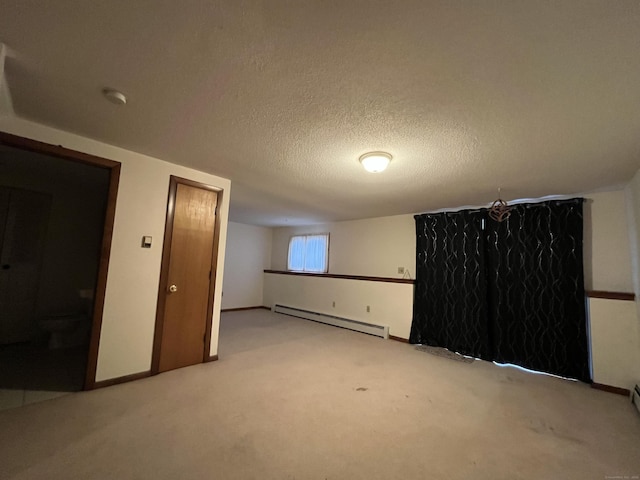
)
(635, 397)
(371, 329)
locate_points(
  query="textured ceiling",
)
(282, 97)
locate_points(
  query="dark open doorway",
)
(56, 217)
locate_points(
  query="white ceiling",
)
(282, 97)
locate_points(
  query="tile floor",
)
(33, 373)
(17, 398)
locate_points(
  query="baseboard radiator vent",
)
(635, 397)
(371, 329)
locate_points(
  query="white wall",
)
(632, 197)
(248, 255)
(390, 303)
(373, 247)
(607, 254)
(615, 346)
(132, 285)
(632, 192)
(6, 105)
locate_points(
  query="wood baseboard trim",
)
(610, 389)
(243, 308)
(398, 339)
(127, 378)
(212, 358)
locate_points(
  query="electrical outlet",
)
(368, 309)
(334, 304)
(400, 270)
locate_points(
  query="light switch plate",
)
(146, 242)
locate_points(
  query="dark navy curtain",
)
(450, 307)
(512, 292)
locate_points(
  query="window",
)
(309, 253)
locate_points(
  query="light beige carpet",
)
(293, 399)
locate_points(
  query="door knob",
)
(173, 289)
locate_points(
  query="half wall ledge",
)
(344, 277)
(611, 295)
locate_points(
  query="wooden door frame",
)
(59, 151)
(174, 181)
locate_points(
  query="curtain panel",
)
(512, 292)
(450, 308)
(537, 305)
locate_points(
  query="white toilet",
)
(66, 330)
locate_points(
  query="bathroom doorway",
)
(56, 215)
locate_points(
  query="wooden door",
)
(187, 292)
(24, 215)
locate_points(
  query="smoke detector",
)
(114, 96)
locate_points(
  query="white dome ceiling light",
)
(375, 162)
(114, 96)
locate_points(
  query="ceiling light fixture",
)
(375, 162)
(114, 96)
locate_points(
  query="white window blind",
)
(309, 253)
